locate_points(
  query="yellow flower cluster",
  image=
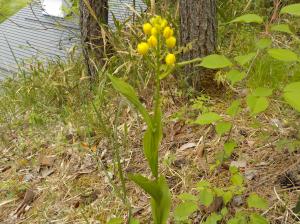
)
(155, 29)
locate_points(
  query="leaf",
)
(129, 93)
(235, 76)
(208, 118)
(293, 9)
(184, 210)
(229, 148)
(239, 218)
(284, 28)
(248, 18)
(292, 94)
(257, 219)
(149, 186)
(244, 59)
(255, 201)
(201, 185)
(223, 127)
(234, 108)
(237, 179)
(115, 221)
(213, 219)
(206, 197)
(151, 151)
(187, 197)
(161, 208)
(263, 43)
(215, 61)
(227, 196)
(297, 207)
(283, 54)
(262, 91)
(257, 104)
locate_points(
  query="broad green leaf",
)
(201, 185)
(244, 59)
(161, 208)
(248, 18)
(235, 76)
(284, 28)
(215, 61)
(234, 108)
(223, 127)
(115, 221)
(224, 211)
(292, 95)
(239, 218)
(262, 91)
(255, 201)
(229, 148)
(237, 179)
(213, 219)
(227, 196)
(149, 186)
(233, 170)
(187, 197)
(263, 43)
(257, 219)
(151, 150)
(283, 54)
(129, 93)
(208, 118)
(184, 210)
(257, 104)
(206, 197)
(293, 9)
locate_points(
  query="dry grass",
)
(75, 189)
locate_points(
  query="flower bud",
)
(143, 48)
(152, 41)
(171, 42)
(147, 27)
(168, 32)
(170, 59)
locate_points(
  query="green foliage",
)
(9, 7)
(223, 127)
(255, 201)
(215, 61)
(263, 43)
(283, 55)
(284, 28)
(184, 210)
(293, 9)
(257, 104)
(206, 197)
(244, 59)
(248, 18)
(235, 76)
(257, 219)
(291, 95)
(208, 118)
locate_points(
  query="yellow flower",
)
(152, 41)
(164, 23)
(168, 32)
(143, 48)
(154, 31)
(170, 59)
(147, 27)
(171, 42)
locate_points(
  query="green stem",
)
(184, 63)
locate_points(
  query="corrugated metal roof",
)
(29, 35)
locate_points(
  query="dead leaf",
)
(239, 163)
(47, 160)
(187, 146)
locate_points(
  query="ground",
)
(64, 176)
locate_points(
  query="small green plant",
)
(217, 201)
(157, 47)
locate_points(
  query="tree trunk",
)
(198, 24)
(92, 17)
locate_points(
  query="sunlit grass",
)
(9, 7)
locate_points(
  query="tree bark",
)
(93, 42)
(198, 24)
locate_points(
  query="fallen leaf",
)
(27, 200)
(187, 146)
(239, 164)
